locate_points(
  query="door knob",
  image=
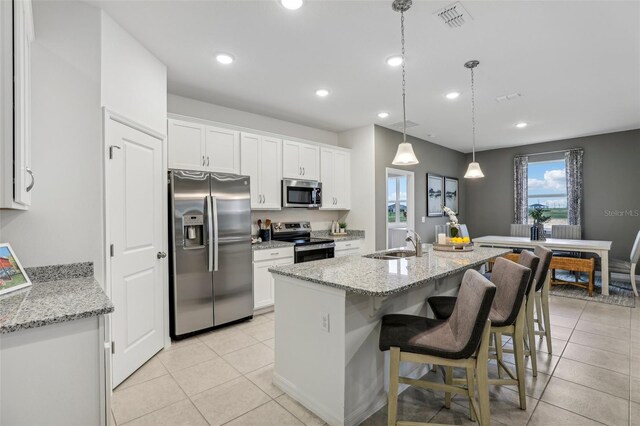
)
(162, 255)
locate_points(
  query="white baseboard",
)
(264, 310)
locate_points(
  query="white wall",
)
(206, 111)
(362, 214)
(134, 82)
(64, 224)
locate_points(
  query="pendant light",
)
(474, 171)
(405, 155)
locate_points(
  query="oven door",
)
(314, 252)
(301, 193)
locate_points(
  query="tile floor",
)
(224, 377)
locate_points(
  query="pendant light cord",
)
(473, 115)
(404, 96)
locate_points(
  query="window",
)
(397, 199)
(547, 188)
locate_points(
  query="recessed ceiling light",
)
(394, 61)
(322, 92)
(452, 95)
(521, 125)
(383, 114)
(292, 4)
(224, 58)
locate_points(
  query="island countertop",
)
(376, 277)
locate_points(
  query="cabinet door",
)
(270, 173)
(250, 165)
(291, 160)
(342, 179)
(310, 161)
(262, 285)
(222, 150)
(186, 143)
(327, 179)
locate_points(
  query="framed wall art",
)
(435, 189)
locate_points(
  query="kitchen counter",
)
(271, 245)
(375, 277)
(58, 294)
(351, 235)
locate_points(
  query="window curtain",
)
(520, 188)
(573, 160)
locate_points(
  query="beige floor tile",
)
(557, 345)
(634, 413)
(505, 406)
(587, 402)
(611, 344)
(594, 377)
(262, 318)
(250, 358)
(562, 322)
(186, 356)
(263, 378)
(271, 343)
(635, 389)
(566, 302)
(262, 332)
(565, 310)
(608, 310)
(268, 414)
(226, 341)
(547, 414)
(229, 400)
(205, 376)
(456, 415)
(144, 398)
(269, 315)
(546, 362)
(562, 333)
(181, 413)
(609, 319)
(177, 344)
(150, 370)
(414, 404)
(301, 413)
(603, 329)
(112, 421)
(597, 357)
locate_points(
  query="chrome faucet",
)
(416, 241)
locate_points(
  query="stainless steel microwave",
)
(301, 193)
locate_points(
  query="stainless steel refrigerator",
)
(210, 238)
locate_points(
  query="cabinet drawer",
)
(348, 245)
(270, 254)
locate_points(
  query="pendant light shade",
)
(405, 155)
(474, 171)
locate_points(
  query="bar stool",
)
(507, 316)
(462, 340)
(542, 295)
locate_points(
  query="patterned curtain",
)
(520, 188)
(573, 160)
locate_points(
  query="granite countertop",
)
(58, 294)
(270, 245)
(376, 277)
(351, 235)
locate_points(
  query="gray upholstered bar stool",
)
(462, 340)
(507, 316)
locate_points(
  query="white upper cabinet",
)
(261, 160)
(300, 161)
(194, 146)
(16, 34)
(336, 179)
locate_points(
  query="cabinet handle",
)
(304, 172)
(203, 161)
(33, 179)
(207, 161)
(347, 245)
(300, 171)
(259, 198)
(275, 254)
(264, 199)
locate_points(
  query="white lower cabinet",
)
(263, 283)
(347, 248)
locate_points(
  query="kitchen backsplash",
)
(320, 219)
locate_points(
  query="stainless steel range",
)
(306, 248)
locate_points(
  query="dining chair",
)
(520, 230)
(566, 232)
(462, 340)
(628, 267)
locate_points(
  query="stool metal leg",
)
(482, 374)
(498, 341)
(518, 352)
(394, 377)
(545, 312)
(448, 379)
(471, 388)
(531, 329)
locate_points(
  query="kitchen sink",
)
(392, 254)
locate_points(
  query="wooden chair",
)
(462, 341)
(577, 266)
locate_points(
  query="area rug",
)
(620, 292)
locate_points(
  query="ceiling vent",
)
(398, 125)
(510, 97)
(454, 15)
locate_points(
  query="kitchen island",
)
(327, 324)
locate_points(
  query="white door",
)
(222, 150)
(186, 145)
(310, 161)
(270, 173)
(250, 165)
(291, 160)
(135, 189)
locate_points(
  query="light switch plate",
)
(324, 321)
(424, 219)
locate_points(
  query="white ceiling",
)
(576, 63)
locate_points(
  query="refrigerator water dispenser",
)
(193, 228)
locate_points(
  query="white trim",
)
(410, 224)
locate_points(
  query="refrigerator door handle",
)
(214, 203)
(210, 232)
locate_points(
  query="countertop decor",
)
(58, 293)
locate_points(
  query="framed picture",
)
(451, 193)
(12, 275)
(435, 188)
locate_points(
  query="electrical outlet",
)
(324, 321)
(423, 219)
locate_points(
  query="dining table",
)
(600, 248)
